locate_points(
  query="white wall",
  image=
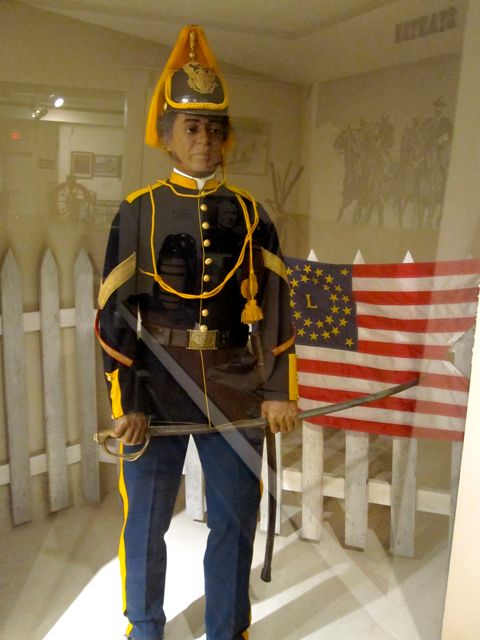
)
(462, 613)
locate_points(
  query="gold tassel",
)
(251, 312)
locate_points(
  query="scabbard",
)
(266, 574)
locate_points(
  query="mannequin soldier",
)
(198, 297)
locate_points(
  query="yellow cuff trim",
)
(115, 393)
(118, 276)
(275, 264)
(292, 377)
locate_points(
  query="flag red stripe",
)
(430, 352)
(392, 403)
(416, 269)
(448, 296)
(382, 428)
(422, 325)
(343, 369)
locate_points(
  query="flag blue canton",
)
(322, 303)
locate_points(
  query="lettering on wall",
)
(427, 25)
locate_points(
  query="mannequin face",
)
(195, 144)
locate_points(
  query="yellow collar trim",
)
(190, 183)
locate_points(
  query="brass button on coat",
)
(205, 313)
(206, 278)
(203, 328)
(203, 207)
(208, 261)
(206, 243)
(205, 225)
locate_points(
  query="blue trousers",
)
(149, 488)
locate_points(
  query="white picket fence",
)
(355, 488)
(49, 321)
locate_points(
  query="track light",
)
(39, 112)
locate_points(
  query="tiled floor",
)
(60, 580)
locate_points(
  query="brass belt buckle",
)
(202, 339)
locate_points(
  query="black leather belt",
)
(188, 338)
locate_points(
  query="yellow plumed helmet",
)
(190, 83)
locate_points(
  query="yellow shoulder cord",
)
(249, 287)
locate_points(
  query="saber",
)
(194, 428)
(161, 429)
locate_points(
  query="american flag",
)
(363, 328)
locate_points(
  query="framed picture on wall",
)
(81, 164)
(107, 166)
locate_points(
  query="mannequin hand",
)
(131, 428)
(282, 415)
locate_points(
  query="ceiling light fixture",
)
(39, 112)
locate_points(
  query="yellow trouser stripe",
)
(121, 548)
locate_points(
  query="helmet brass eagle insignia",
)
(200, 79)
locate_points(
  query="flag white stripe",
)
(437, 283)
(408, 337)
(418, 312)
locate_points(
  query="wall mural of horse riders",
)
(380, 150)
(402, 172)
